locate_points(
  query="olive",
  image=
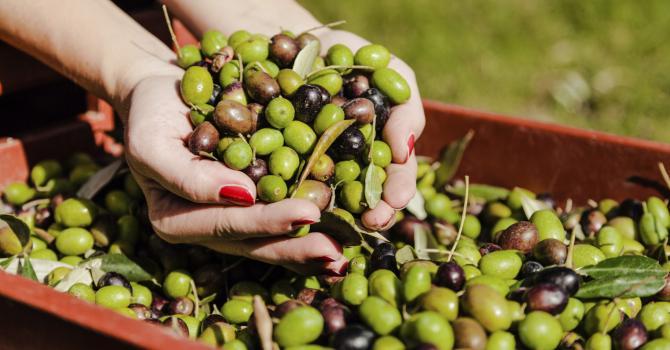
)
(629, 335)
(560, 276)
(347, 170)
(204, 138)
(521, 236)
(335, 315)
(382, 106)
(338, 100)
(284, 161)
(405, 228)
(82, 291)
(218, 333)
(349, 145)
(329, 79)
(383, 257)
(548, 225)
(572, 314)
(262, 87)
(352, 337)
(113, 297)
(469, 334)
(140, 294)
(233, 92)
(547, 297)
(18, 193)
(188, 55)
(220, 58)
(316, 192)
(592, 220)
(74, 241)
(181, 306)
(391, 84)
(196, 85)
(488, 248)
(350, 196)
(441, 300)
(283, 49)
(238, 37)
(305, 38)
(529, 268)
(114, 279)
(487, 306)
(45, 171)
(550, 252)
(74, 212)
(271, 188)
(340, 55)
(229, 73)
(308, 101)
(300, 137)
(289, 81)
(360, 109)
(177, 284)
(233, 117)
(323, 169)
(266, 140)
(238, 155)
(306, 319)
(355, 85)
(212, 41)
(450, 275)
(445, 232)
(256, 170)
(539, 330)
(373, 55)
(177, 325)
(427, 330)
(388, 342)
(253, 49)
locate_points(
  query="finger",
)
(379, 218)
(313, 253)
(400, 185)
(178, 220)
(405, 125)
(156, 148)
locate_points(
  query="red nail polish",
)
(236, 194)
(302, 222)
(410, 146)
(323, 259)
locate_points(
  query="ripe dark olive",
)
(257, 169)
(383, 257)
(664, 294)
(114, 279)
(450, 275)
(308, 101)
(212, 319)
(550, 252)
(518, 295)
(181, 306)
(384, 248)
(262, 87)
(355, 85)
(305, 38)
(283, 50)
(547, 297)
(631, 208)
(382, 106)
(520, 236)
(316, 192)
(352, 337)
(177, 325)
(560, 276)
(216, 92)
(592, 220)
(469, 334)
(629, 335)
(158, 304)
(338, 100)
(310, 296)
(404, 229)
(335, 316)
(233, 117)
(487, 248)
(204, 138)
(361, 109)
(142, 312)
(445, 232)
(529, 268)
(349, 145)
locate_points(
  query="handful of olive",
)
(253, 110)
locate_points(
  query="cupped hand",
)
(199, 201)
(405, 124)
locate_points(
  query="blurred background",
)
(595, 64)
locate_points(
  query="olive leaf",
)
(450, 159)
(417, 206)
(405, 254)
(20, 228)
(304, 61)
(263, 323)
(43, 267)
(208, 299)
(326, 139)
(119, 263)
(623, 276)
(78, 275)
(99, 180)
(373, 186)
(4, 263)
(485, 192)
(339, 227)
(531, 205)
(26, 269)
(624, 265)
(425, 244)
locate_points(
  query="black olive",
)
(308, 101)
(382, 106)
(349, 145)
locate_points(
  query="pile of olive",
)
(513, 280)
(256, 114)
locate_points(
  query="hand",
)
(403, 128)
(196, 200)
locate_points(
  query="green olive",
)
(358, 264)
(229, 73)
(253, 50)
(113, 297)
(610, 241)
(428, 327)
(177, 284)
(624, 225)
(223, 145)
(373, 55)
(347, 170)
(599, 341)
(603, 317)
(586, 254)
(540, 330)
(471, 272)
(71, 260)
(354, 289)
(416, 282)
(366, 130)
(388, 342)
(391, 84)
(82, 291)
(381, 153)
(300, 137)
(382, 317)
(379, 173)
(514, 199)
(128, 228)
(571, 315)
(657, 344)
(266, 140)
(74, 241)
(467, 255)
(659, 209)
(471, 226)
(188, 56)
(306, 319)
(280, 112)
(212, 41)
(339, 55)
(501, 225)
(271, 188)
(289, 81)
(501, 340)
(218, 334)
(351, 196)
(548, 225)
(237, 311)
(319, 63)
(238, 37)
(653, 315)
(141, 294)
(118, 202)
(386, 285)
(238, 155)
(81, 173)
(196, 85)
(56, 275)
(323, 169)
(284, 161)
(438, 206)
(441, 300)
(329, 79)
(504, 264)
(44, 254)
(488, 307)
(245, 290)
(45, 171)
(18, 193)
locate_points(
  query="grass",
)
(593, 64)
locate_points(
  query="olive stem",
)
(172, 35)
(313, 73)
(463, 214)
(327, 25)
(239, 63)
(233, 265)
(259, 65)
(372, 137)
(44, 235)
(664, 174)
(571, 247)
(196, 299)
(35, 203)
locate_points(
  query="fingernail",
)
(236, 194)
(389, 223)
(324, 259)
(302, 222)
(341, 272)
(410, 146)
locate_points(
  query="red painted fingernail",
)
(302, 222)
(236, 194)
(324, 259)
(410, 146)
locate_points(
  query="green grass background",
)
(597, 64)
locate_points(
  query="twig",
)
(571, 247)
(463, 214)
(233, 265)
(196, 299)
(327, 25)
(664, 174)
(172, 35)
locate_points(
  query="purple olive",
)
(261, 87)
(550, 252)
(349, 145)
(283, 50)
(404, 229)
(450, 275)
(353, 337)
(308, 101)
(560, 276)
(114, 279)
(142, 312)
(204, 138)
(520, 236)
(177, 325)
(283, 308)
(361, 109)
(529, 268)
(382, 106)
(487, 248)
(181, 306)
(257, 169)
(592, 220)
(355, 85)
(630, 335)
(547, 297)
(212, 319)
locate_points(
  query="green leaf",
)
(4, 263)
(99, 180)
(623, 266)
(373, 186)
(120, 263)
(26, 269)
(405, 254)
(339, 227)
(20, 228)
(304, 61)
(208, 298)
(627, 286)
(486, 192)
(417, 206)
(531, 205)
(450, 159)
(325, 141)
(423, 240)
(78, 275)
